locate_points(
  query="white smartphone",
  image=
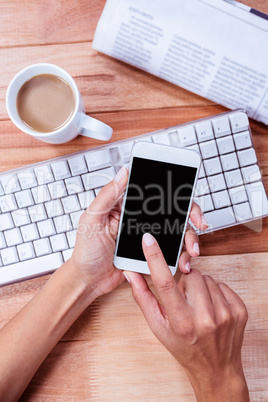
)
(158, 200)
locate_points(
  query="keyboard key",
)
(6, 222)
(220, 218)
(27, 179)
(238, 195)
(46, 228)
(202, 187)
(187, 136)
(74, 185)
(161, 139)
(221, 126)
(10, 183)
(212, 166)
(97, 160)
(247, 157)
(59, 242)
(86, 198)
(9, 256)
(43, 174)
(8, 203)
(174, 139)
(70, 204)
(204, 131)
(30, 268)
(242, 140)
(21, 217)
(54, 208)
(24, 198)
(60, 170)
(98, 179)
(75, 216)
(233, 178)
(62, 223)
(115, 156)
(251, 173)
(37, 213)
(67, 254)
(13, 237)
(216, 182)
(77, 165)
(26, 251)
(71, 236)
(239, 122)
(257, 198)
(225, 145)
(2, 241)
(41, 194)
(42, 247)
(242, 212)
(29, 232)
(205, 203)
(57, 189)
(221, 199)
(208, 149)
(125, 150)
(229, 162)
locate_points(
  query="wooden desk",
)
(109, 354)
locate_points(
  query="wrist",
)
(84, 291)
(221, 387)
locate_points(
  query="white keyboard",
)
(40, 204)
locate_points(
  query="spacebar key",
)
(220, 218)
(30, 268)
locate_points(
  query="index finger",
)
(170, 295)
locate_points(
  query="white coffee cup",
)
(79, 123)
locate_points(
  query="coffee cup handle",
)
(93, 128)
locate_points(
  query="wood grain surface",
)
(109, 354)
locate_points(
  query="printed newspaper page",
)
(209, 47)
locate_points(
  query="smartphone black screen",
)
(157, 202)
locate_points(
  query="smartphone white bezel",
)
(161, 153)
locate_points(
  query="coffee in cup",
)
(45, 103)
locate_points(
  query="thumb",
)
(108, 196)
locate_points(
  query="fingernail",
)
(148, 239)
(188, 267)
(204, 221)
(125, 275)
(196, 248)
(120, 174)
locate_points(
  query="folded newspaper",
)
(214, 48)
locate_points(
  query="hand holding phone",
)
(158, 200)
